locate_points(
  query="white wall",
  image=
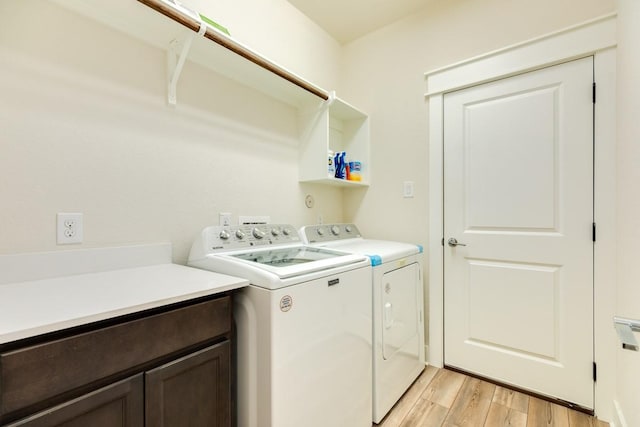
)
(628, 207)
(84, 127)
(280, 32)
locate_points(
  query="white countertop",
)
(35, 307)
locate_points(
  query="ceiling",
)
(347, 20)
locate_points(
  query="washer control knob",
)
(257, 233)
(335, 230)
(275, 232)
(348, 229)
(224, 235)
(286, 231)
(240, 234)
(320, 231)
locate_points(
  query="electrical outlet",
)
(69, 229)
(224, 219)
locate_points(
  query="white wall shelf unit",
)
(328, 123)
(337, 126)
(162, 24)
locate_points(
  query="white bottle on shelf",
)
(331, 167)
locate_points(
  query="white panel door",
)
(518, 192)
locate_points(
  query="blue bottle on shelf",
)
(339, 164)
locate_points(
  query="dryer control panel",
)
(329, 232)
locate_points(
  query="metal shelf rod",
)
(228, 43)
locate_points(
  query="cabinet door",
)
(118, 404)
(193, 391)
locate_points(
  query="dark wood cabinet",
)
(117, 405)
(192, 391)
(169, 367)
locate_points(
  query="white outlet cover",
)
(224, 219)
(69, 228)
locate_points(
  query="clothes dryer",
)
(398, 318)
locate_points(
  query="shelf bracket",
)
(176, 57)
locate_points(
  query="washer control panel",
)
(245, 236)
(329, 232)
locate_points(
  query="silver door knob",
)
(453, 242)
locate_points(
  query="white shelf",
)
(338, 182)
(329, 123)
(338, 127)
(158, 23)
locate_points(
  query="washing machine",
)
(304, 344)
(398, 318)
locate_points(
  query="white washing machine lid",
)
(292, 261)
(275, 268)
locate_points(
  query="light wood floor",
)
(440, 397)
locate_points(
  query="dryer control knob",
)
(320, 231)
(275, 232)
(335, 230)
(286, 231)
(240, 234)
(224, 235)
(348, 229)
(257, 233)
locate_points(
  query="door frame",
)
(595, 38)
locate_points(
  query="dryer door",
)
(399, 309)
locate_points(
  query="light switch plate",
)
(407, 189)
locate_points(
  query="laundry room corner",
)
(87, 128)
